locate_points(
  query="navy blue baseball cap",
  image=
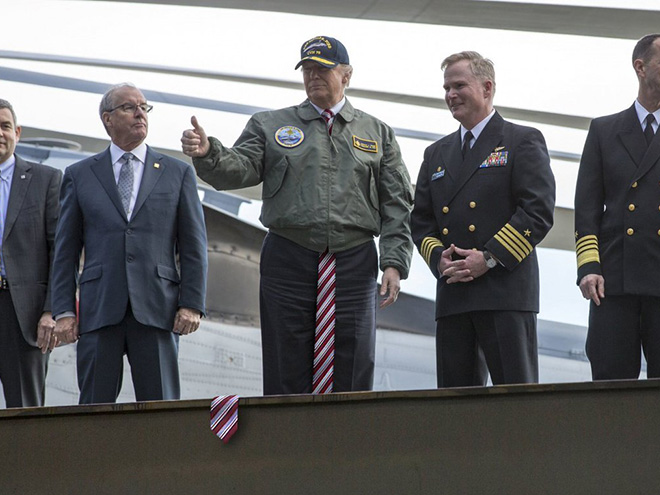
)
(325, 51)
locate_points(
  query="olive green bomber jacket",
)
(319, 190)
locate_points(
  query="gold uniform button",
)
(630, 231)
(634, 184)
(473, 204)
(658, 232)
(445, 231)
(631, 207)
(472, 228)
(445, 209)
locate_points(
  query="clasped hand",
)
(471, 266)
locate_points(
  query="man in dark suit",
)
(617, 228)
(484, 199)
(137, 215)
(28, 216)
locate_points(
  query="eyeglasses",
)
(128, 108)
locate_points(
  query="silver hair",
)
(348, 71)
(108, 99)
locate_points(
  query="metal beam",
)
(537, 116)
(513, 16)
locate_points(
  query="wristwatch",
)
(490, 261)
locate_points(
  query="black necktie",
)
(466, 143)
(648, 131)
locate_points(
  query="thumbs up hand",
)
(194, 142)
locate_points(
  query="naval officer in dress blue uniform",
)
(484, 199)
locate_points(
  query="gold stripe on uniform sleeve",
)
(514, 242)
(586, 250)
(428, 245)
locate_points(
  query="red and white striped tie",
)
(324, 337)
(224, 416)
(328, 117)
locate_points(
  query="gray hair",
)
(348, 71)
(7, 105)
(108, 99)
(482, 68)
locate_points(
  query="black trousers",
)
(288, 316)
(469, 345)
(152, 353)
(619, 329)
(22, 366)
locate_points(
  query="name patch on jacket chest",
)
(438, 174)
(495, 159)
(289, 136)
(365, 144)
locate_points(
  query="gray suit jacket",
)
(28, 241)
(157, 260)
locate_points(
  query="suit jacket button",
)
(630, 231)
(130, 259)
(631, 207)
(445, 209)
(634, 184)
(472, 228)
(473, 204)
(445, 231)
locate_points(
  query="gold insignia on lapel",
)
(499, 148)
(527, 232)
(439, 169)
(156, 165)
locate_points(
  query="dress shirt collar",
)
(116, 153)
(476, 130)
(335, 110)
(643, 112)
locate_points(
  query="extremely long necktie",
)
(324, 338)
(224, 416)
(125, 182)
(328, 116)
(648, 130)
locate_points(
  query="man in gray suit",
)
(28, 216)
(138, 217)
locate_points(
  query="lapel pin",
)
(22, 176)
(156, 165)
